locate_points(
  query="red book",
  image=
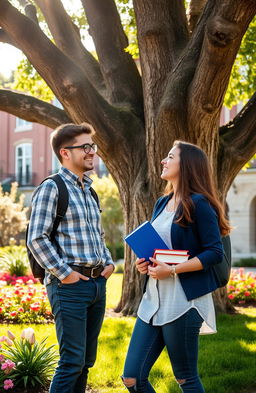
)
(173, 257)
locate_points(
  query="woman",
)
(177, 304)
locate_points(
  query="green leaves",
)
(242, 84)
(26, 78)
(14, 260)
(35, 363)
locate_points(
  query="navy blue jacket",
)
(202, 239)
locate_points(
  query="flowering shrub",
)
(24, 304)
(242, 286)
(7, 368)
(8, 279)
(31, 363)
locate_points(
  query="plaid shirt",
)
(79, 235)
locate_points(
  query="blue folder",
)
(144, 240)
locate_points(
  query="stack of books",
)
(146, 242)
(172, 257)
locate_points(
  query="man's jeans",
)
(181, 339)
(78, 311)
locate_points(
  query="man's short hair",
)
(66, 135)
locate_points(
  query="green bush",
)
(116, 250)
(13, 214)
(246, 262)
(14, 260)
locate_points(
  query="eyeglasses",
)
(87, 147)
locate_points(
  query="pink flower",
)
(21, 309)
(13, 313)
(247, 293)
(8, 384)
(11, 335)
(231, 296)
(7, 366)
(2, 358)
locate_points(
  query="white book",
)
(172, 257)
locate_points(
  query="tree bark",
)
(5, 38)
(120, 72)
(67, 38)
(162, 35)
(32, 109)
(194, 12)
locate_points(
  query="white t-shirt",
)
(164, 300)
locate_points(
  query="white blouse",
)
(164, 300)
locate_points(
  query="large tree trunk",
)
(185, 69)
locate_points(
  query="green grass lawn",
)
(227, 360)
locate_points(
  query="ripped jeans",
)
(181, 340)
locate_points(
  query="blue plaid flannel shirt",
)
(79, 236)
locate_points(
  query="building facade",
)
(26, 155)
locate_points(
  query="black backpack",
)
(222, 270)
(37, 270)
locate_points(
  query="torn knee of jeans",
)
(180, 381)
(129, 382)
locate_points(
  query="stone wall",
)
(241, 201)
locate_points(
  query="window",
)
(22, 125)
(24, 164)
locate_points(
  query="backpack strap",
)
(63, 199)
(95, 196)
(62, 203)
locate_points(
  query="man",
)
(78, 263)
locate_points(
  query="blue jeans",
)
(181, 340)
(78, 311)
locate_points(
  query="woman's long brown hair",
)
(196, 178)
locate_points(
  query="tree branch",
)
(6, 38)
(67, 38)
(237, 141)
(224, 32)
(162, 35)
(79, 98)
(172, 114)
(31, 109)
(194, 12)
(119, 69)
